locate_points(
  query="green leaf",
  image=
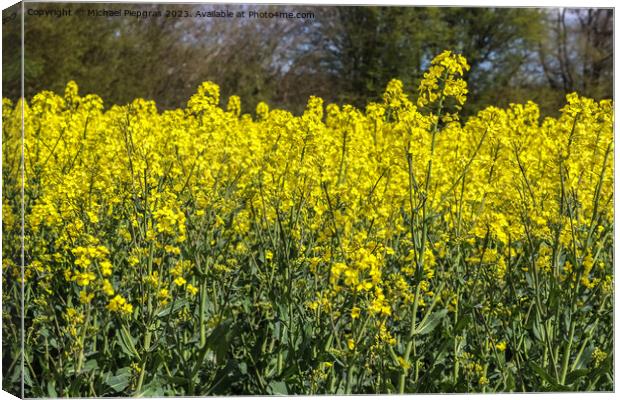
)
(172, 308)
(427, 326)
(121, 380)
(278, 387)
(219, 340)
(536, 332)
(127, 343)
(176, 380)
(51, 389)
(243, 368)
(152, 389)
(510, 382)
(575, 375)
(463, 322)
(543, 374)
(554, 298)
(585, 357)
(548, 378)
(90, 365)
(27, 378)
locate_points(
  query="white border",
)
(455, 3)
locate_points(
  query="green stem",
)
(567, 352)
(202, 299)
(347, 387)
(410, 342)
(80, 362)
(147, 345)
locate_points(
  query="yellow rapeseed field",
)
(396, 249)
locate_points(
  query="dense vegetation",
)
(393, 249)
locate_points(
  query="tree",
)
(345, 54)
(497, 43)
(576, 54)
(371, 45)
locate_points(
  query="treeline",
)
(343, 54)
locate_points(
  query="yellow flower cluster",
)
(119, 304)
